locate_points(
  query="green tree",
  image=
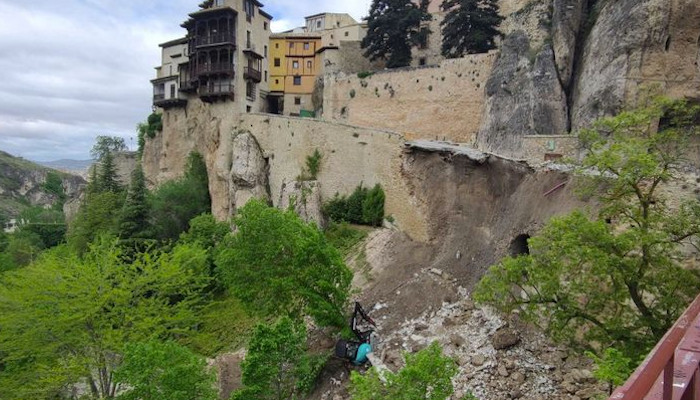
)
(98, 215)
(107, 176)
(176, 202)
(23, 247)
(134, 219)
(164, 370)
(470, 26)
(614, 280)
(373, 206)
(149, 129)
(277, 365)
(393, 28)
(105, 145)
(612, 367)
(426, 376)
(54, 185)
(66, 318)
(277, 264)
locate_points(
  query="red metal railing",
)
(672, 370)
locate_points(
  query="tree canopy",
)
(157, 370)
(277, 365)
(107, 144)
(426, 376)
(614, 279)
(278, 264)
(393, 28)
(66, 318)
(470, 26)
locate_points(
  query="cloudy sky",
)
(75, 69)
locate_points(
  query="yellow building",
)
(294, 65)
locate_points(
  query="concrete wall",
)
(540, 148)
(444, 101)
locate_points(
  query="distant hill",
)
(23, 185)
(78, 167)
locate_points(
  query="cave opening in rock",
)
(668, 43)
(519, 245)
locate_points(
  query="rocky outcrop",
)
(22, 183)
(632, 46)
(524, 97)
(249, 171)
(305, 197)
(567, 19)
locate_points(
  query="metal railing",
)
(672, 369)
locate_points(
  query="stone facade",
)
(444, 102)
(351, 156)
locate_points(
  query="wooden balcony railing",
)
(216, 38)
(215, 68)
(252, 74)
(216, 89)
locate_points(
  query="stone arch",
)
(519, 245)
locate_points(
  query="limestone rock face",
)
(306, 197)
(567, 18)
(635, 45)
(524, 97)
(249, 171)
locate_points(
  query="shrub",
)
(363, 206)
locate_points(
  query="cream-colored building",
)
(166, 86)
(226, 56)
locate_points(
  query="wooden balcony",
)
(215, 68)
(216, 39)
(252, 74)
(159, 100)
(187, 86)
(212, 91)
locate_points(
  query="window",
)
(265, 51)
(291, 45)
(265, 76)
(250, 90)
(277, 81)
(318, 24)
(347, 33)
(295, 64)
(218, 3)
(249, 7)
(306, 45)
(277, 45)
(297, 101)
(309, 64)
(264, 25)
(247, 37)
(277, 62)
(297, 80)
(172, 91)
(421, 61)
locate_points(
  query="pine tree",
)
(134, 216)
(469, 27)
(393, 29)
(107, 179)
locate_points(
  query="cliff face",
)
(565, 63)
(22, 184)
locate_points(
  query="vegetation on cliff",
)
(615, 279)
(470, 26)
(393, 28)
